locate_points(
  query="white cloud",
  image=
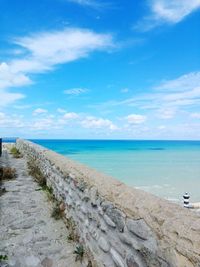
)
(171, 95)
(7, 98)
(44, 51)
(165, 11)
(61, 110)
(182, 83)
(162, 127)
(76, 91)
(124, 90)
(2, 116)
(98, 123)
(44, 124)
(10, 121)
(39, 111)
(196, 115)
(48, 49)
(173, 11)
(135, 119)
(47, 122)
(166, 113)
(192, 94)
(89, 3)
(10, 78)
(70, 116)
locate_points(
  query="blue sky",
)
(123, 69)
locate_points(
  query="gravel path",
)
(28, 234)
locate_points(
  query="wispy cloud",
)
(135, 119)
(8, 98)
(165, 11)
(172, 95)
(95, 4)
(182, 83)
(70, 116)
(166, 113)
(124, 90)
(11, 78)
(61, 110)
(39, 111)
(46, 50)
(76, 91)
(195, 115)
(90, 3)
(11, 121)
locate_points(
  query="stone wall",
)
(122, 226)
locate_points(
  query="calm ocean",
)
(164, 168)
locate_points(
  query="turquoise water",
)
(164, 168)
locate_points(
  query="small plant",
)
(2, 190)
(73, 235)
(79, 251)
(15, 152)
(1, 173)
(7, 173)
(89, 263)
(56, 212)
(3, 258)
(49, 192)
(34, 171)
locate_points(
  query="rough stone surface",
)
(32, 261)
(28, 233)
(158, 232)
(46, 262)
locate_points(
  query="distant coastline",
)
(165, 168)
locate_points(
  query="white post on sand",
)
(186, 201)
(187, 204)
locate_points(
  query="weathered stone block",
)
(94, 233)
(109, 221)
(139, 228)
(93, 196)
(117, 217)
(103, 226)
(117, 258)
(103, 244)
(106, 204)
(100, 211)
(126, 239)
(84, 209)
(130, 261)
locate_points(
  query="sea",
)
(167, 169)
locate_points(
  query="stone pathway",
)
(29, 236)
